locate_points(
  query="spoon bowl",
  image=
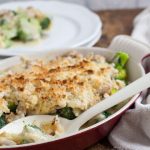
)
(17, 126)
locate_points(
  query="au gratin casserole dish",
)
(97, 130)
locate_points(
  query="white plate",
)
(93, 42)
(88, 45)
(72, 26)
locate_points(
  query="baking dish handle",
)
(146, 63)
(134, 48)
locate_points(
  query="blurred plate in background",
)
(72, 26)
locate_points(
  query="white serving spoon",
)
(74, 125)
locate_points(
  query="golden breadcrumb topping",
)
(72, 80)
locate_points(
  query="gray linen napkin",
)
(141, 30)
(133, 130)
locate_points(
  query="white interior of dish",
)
(135, 70)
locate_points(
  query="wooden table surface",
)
(115, 22)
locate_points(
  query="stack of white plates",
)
(72, 26)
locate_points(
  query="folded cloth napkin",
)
(141, 30)
(133, 130)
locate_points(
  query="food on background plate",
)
(64, 86)
(22, 25)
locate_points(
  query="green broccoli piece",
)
(12, 106)
(45, 22)
(9, 34)
(122, 75)
(22, 35)
(106, 114)
(66, 112)
(2, 22)
(2, 121)
(113, 91)
(29, 29)
(14, 12)
(121, 59)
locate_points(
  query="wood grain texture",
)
(115, 22)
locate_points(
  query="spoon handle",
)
(123, 94)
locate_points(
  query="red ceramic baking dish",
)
(90, 135)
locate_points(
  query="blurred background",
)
(107, 4)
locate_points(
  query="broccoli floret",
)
(121, 59)
(22, 35)
(45, 22)
(106, 114)
(113, 91)
(14, 12)
(122, 75)
(9, 32)
(66, 112)
(2, 121)
(2, 22)
(29, 29)
(12, 106)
